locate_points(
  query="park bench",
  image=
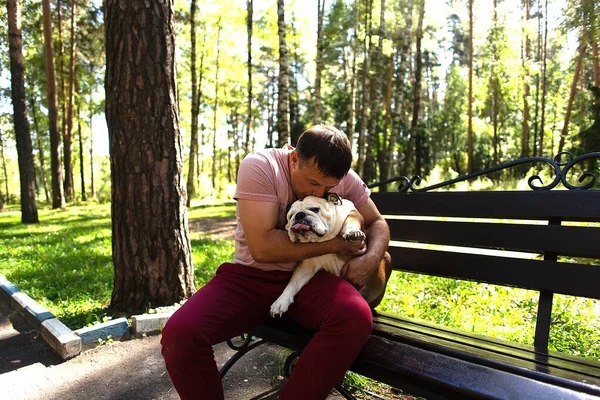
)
(439, 362)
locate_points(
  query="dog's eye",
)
(314, 209)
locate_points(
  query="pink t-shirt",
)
(265, 176)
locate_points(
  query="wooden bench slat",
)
(572, 241)
(565, 278)
(539, 205)
(555, 358)
(499, 350)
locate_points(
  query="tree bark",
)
(470, 105)
(319, 60)
(191, 179)
(58, 197)
(525, 124)
(576, 74)
(216, 108)
(544, 78)
(29, 212)
(4, 170)
(32, 100)
(151, 244)
(61, 78)
(283, 97)
(366, 91)
(352, 95)
(80, 135)
(92, 183)
(68, 137)
(249, 22)
(414, 135)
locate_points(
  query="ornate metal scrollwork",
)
(560, 169)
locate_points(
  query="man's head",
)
(321, 159)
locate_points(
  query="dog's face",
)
(315, 219)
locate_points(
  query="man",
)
(241, 293)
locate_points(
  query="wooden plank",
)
(565, 240)
(565, 278)
(537, 205)
(478, 342)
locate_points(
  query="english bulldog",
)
(316, 219)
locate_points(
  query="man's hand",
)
(348, 248)
(358, 270)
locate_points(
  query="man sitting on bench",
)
(240, 295)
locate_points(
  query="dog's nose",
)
(300, 215)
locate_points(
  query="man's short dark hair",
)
(330, 148)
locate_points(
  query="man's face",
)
(307, 180)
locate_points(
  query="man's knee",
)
(181, 337)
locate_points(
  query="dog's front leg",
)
(300, 277)
(352, 228)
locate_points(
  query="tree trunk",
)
(68, 141)
(399, 109)
(388, 143)
(216, 108)
(249, 25)
(470, 100)
(319, 60)
(4, 170)
(32, 101)
(61, 78)
(151, 244)
(495, 82)
(576, 74)
(544, 57)
(414, 135)
(191, 179)
(525, 125)
(80, 134)
(29, 212)
(352, 95)
(366, 91)
(283, 98)
(58, 197)
(92, 183)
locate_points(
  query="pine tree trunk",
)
(525, 125)
(319, 60)
(29, 212)
(399, 110)
(151, 244)
(32, 99)
(414, 135)
(544, 78)
(80, 135)
(576, 74)
(283, 97)
(4, 165)
(191, 179)
(249, 24)
(216, 108)
(61, 78)
(58, 198)
(352, 94)
(470, 100)
(92, 183)
(366, 91)
(68, 141)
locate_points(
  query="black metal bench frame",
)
(439, 362)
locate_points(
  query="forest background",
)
(395, 76)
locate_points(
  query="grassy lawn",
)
(65, 263)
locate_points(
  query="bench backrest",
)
(540, 225)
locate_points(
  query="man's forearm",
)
(279, 248)
(378, 238)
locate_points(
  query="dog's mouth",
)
(301, 228)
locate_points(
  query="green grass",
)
(65, 263)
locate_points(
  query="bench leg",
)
(241, 351)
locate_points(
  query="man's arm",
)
(269, 244)
(359, 270)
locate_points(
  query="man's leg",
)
(344, 321)
(235, 300)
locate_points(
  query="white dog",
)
(317, 220)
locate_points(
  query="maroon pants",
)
(239, 298)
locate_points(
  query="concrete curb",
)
(68, 343)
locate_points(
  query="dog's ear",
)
(334, 198)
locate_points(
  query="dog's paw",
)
(280, 306)
(354, 236)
